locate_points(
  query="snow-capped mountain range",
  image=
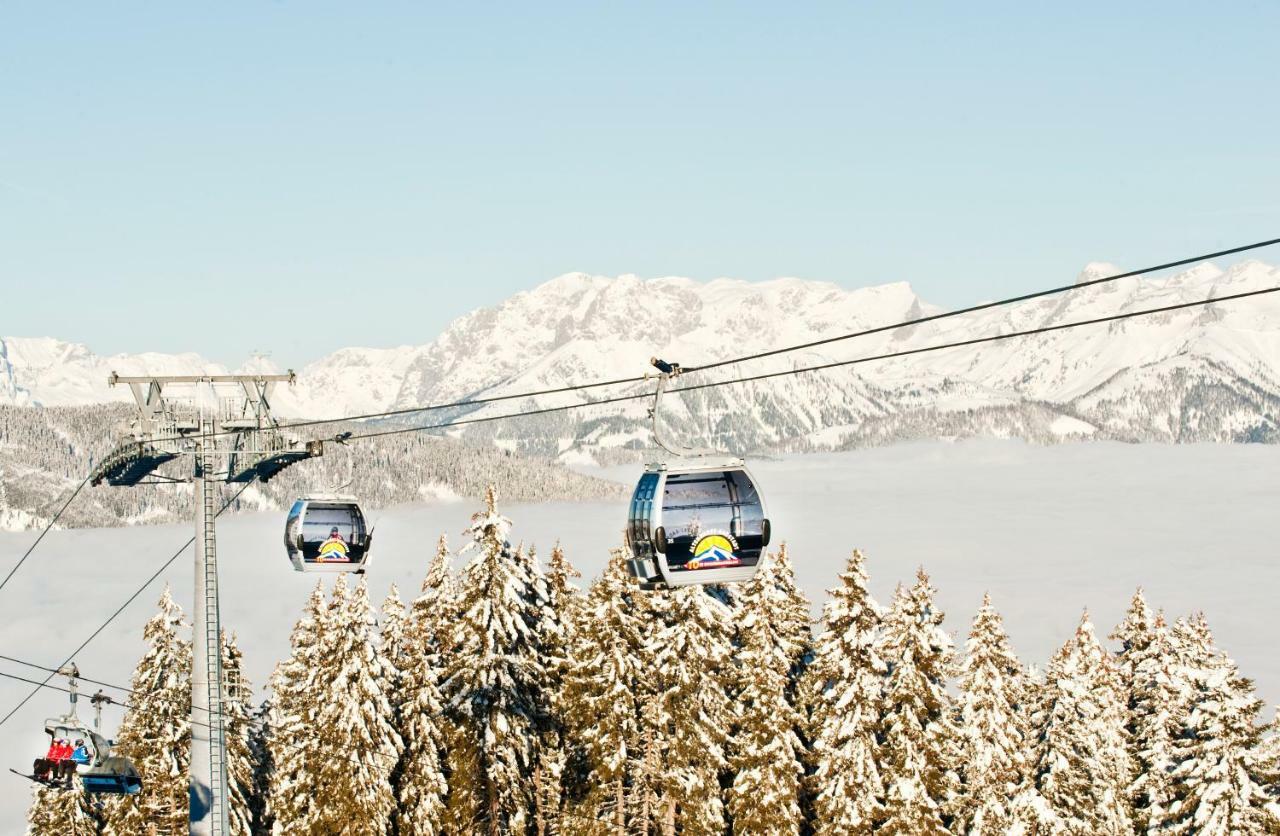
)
(1198, 374)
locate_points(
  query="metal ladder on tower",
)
(213, 656)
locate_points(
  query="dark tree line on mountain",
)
(44, 453)
(1201, 401)
(504, 700)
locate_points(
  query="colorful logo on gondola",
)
(714, 551)
(333, 551)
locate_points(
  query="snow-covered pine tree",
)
(1152, 694)
(421, 787)
(602, 700)
(392, 639)
(1081, 765)
(156, 732)
(259, 734)
(841, 692)
(59, 812)
(351, 729)
(241, 768)
(795, 623)
(992, 726)
(692, 656)
(766, 751)
(1029, 813)
(435, 610)
(1264, 764)
(649, 803)
(918, 736)
(556, 628)
(295, 761)
(1215, 791)
(492, 688)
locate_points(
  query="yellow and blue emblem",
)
(333, 551)
(714, 550)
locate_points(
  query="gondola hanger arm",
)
(666, 371)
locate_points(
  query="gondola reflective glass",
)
(106, 772)
(696, 523)
(327, 534)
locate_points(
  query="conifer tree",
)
(1152, 693)
(1264, 765)
(556, 627)
(918, 735)
(351, 728)
(259, 735)
(295, 761)
(1081, 765)
(241, 768)
(1215, 791)
(435, 610)
(393, 624)
(992, 731)
(650, 801)
(492, 687)
(60, 812)
(794, 622)
(156, 732)
(842, 692)
(1029, 813)
(766, 752)
(691, 656)
(421, 787)
(602, 699)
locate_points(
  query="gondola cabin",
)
(106, 772)
(696, 522)
(327, 533)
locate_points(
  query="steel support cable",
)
(47, 528)
(825, 366)
(1039, 294)
(121, 608)
(40, 667)
(1012, 300)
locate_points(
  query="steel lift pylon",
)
(231, 438)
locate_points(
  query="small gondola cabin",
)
(327, 533)
(696, 522)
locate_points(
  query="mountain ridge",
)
(1198, 374)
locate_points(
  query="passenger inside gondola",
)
(327, 536)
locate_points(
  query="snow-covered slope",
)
(1197, 374)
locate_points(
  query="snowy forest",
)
(506, 699)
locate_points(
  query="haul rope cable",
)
(46, 529)
(1039, 294)
(122, 607)
(825, 366)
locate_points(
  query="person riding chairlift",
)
(56, 765)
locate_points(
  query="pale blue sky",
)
(298, 177)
